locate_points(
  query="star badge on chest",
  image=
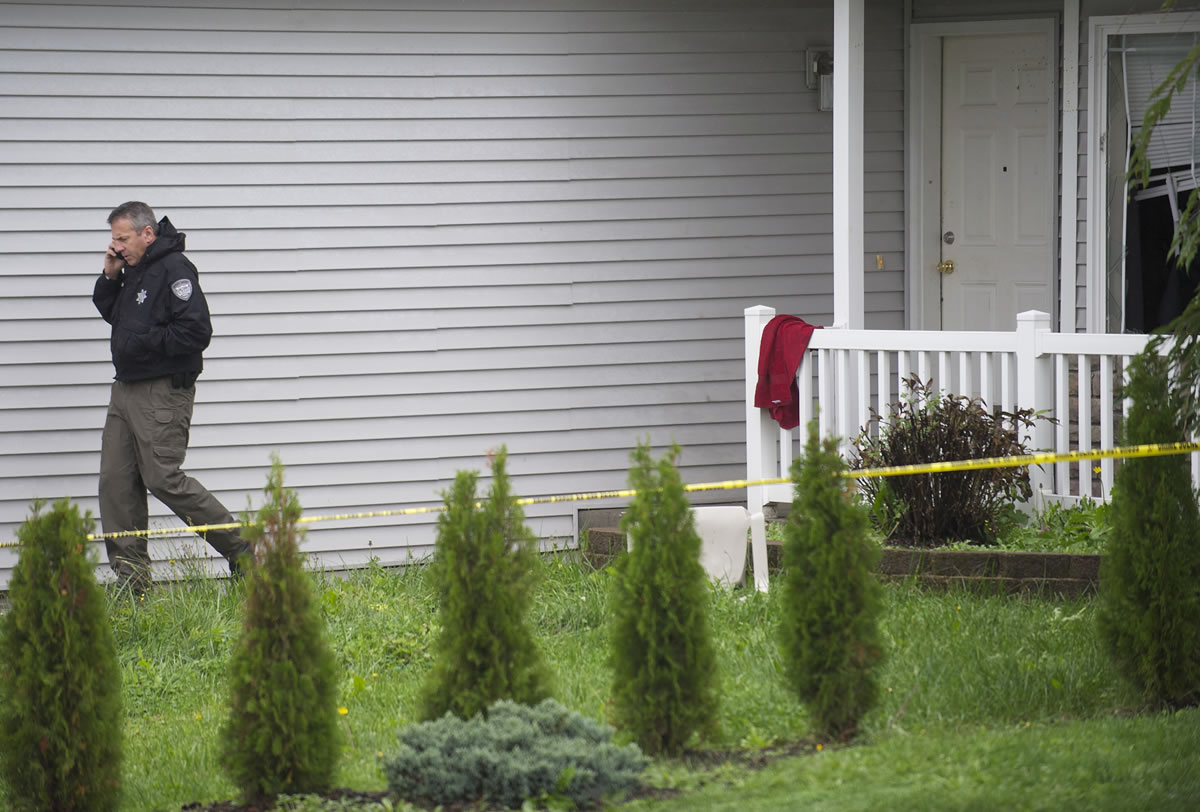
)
(141, 296)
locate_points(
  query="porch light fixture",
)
(818, 75)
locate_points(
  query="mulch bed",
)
(333, 795)
(696, 759)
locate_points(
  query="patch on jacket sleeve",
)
(182, 289)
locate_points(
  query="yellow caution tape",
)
(1016, 461)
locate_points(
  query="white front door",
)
(998, 167)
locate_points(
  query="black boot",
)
(239, 565)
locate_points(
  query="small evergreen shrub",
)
(483, 571)
(282, 735)
(512, 754)
(832, 599)
(1149, 614)
(60, 686)
(664, 664)
(927, 510)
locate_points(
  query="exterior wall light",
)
(818, 75)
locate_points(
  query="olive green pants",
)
(144, 444)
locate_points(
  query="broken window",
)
(1146, 286)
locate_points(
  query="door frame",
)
(923, 144)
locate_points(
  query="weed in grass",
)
(1081, 528)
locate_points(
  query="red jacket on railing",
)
(784, 342)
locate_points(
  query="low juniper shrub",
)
(60, 686)
(511, 754)
(1149, 616)
(282, 735)
(928, 510)
(664, 687)
(483, 570)
(831, 598)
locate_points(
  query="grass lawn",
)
(1138, 763)
(988, 702)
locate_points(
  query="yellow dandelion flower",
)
(198, 717)
(820, 747)
(343, 710)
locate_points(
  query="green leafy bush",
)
(664, 664)
(926, 510)
(282, 734)
(512, 754)
(483, 570)
(1083, 527)
(60, 686)
(832, 599)
(1149, 614)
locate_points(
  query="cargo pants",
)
(144, 444)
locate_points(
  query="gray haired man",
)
(150, 294)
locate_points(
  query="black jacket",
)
(160, 322)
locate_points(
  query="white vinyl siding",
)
(425, 233)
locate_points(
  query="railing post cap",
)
(758, 310)
(1033, 315)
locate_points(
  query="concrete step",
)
(603, 545)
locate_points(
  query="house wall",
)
(425, 233)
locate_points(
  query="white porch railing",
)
(1072, 377)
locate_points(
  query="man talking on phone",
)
(150, 293)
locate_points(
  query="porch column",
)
(1035, 390)
(848, 248)
(1069, 180)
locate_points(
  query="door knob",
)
(946, 266)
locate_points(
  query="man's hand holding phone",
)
(113, 261)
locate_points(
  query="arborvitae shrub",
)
(513, 754)
(832, 598)
(664, 665)
(60, 686)
(282, 734)
(1149, 614)
(925, 510)
(483, 571)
